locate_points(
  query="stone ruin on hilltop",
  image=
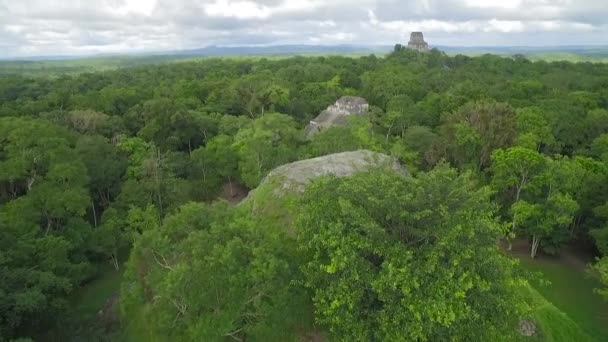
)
(417, 42)
(337, 114)
(294, 177)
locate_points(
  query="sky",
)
(80, 27)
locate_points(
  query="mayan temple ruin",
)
(337, 114)
(417, 42)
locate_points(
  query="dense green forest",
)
(116, 175)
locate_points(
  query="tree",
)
(601, 270)
(420, 140)
(43, 197)
(513, 170)
(171, 126)
(538, 191)
(596, 124)
(105, 166)
(264, 144)
(380, 86)
(241, 267)
(217, 162)
(399, 259)
(548, 220)
(258, 93)
(599, 147)
(400, 114)
(533, 129)
(332, 140)
(600, 235)
(150, 179)
(474, 131)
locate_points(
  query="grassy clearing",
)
(567, 57)
(569, 293)
(553, 324)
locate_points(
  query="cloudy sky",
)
(51, 27)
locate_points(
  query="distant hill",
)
(216, 51)
(56, 65)
(544, 53)
(283, 50)
(344, 49)
(584, 50)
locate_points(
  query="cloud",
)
(47, 27)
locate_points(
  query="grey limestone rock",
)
(295, 176)
(417, 42)
(527, 328)
(337, 114)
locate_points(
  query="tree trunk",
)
(518, 193)
(231, 189)
(94, 213)
(390, 128)
(513, 225)
(259, 165)
(49, 224)
(534, 247)
(30, 182)
(115, 261)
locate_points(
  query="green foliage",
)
(516, 169)
(216, 163)
(105, 167)
(264, 144)
(241, 268)
(378, 258)
(93, 162)
(42, 230)
(601, 269)
(472, 133)
(533, 129)
(599, 147)
(333, 140)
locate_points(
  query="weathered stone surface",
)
(337, 114)
(295, 176)
(276, 197)
(417, 42)
(527, 328)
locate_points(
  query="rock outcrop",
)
(527, 328)
(417, 42)
(295, 176)
(337, 114)
(276, 197)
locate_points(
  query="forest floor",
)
(92, 312)
(570, 287)
(234, 193)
